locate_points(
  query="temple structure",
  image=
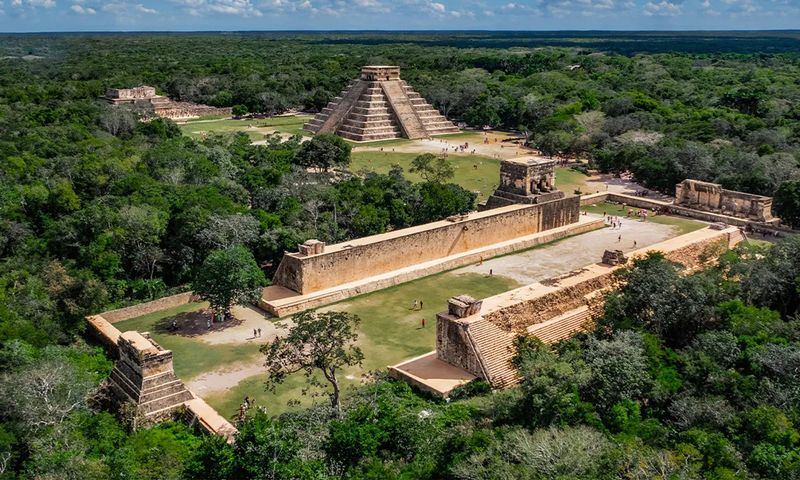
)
(144, 375)
(161, 106)
(712, 197)
(377, 106)
(525, 180)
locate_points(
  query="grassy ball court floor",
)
(390, 331)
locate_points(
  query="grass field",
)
(476, 173)
(390, 332)
(684, 225)
(289, 124)
(191, 356)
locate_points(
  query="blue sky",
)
(83, 15)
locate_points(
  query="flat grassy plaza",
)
(390, 331)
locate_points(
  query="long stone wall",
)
(120, 314)
(378, 254)
(462, 342)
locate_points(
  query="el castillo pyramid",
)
(379, 106)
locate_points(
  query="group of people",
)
(614, 221)
(256, 332)
(417, 305)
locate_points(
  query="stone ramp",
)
(403, 109)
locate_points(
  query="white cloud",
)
(127, 9)
(81, 10)
(663, 8)
(244, 8)
(33, 3)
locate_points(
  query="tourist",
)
(634, 244)
(619, 239)
(259, 333)
(491, 272)
(255, 333)
(420, 304)
(423, 323)
(414, 307)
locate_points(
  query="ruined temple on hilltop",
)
(525, 180)
(145, 97)
(712, 197)
(377, 106)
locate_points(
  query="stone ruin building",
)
(144, 376)
(377, 106)
(712, 197)
(145, 97)
(525, 180)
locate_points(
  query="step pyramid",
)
(378, 106)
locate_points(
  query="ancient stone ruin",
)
(526, 180)
(712, 197)
(380, 105)
(144, 376)
(476, 338)
(152, 104)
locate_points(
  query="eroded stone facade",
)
(525, 180)
(144, 376)
(152, 104)
(712, 197)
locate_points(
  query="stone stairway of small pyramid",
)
(380, 106)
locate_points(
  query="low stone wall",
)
(120, 314)
(514, 312)
(378, 254)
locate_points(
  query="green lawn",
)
(390, 332)
(191, 356)
(288, 124)
(683, 224)
(474, 172)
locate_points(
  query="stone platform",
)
(281, 301)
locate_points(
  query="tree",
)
(786, 203)
(229, 277)
(323, 342)
(324, 151)
(432, 168)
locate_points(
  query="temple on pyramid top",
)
(378, 106)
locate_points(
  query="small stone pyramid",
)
(380, 106)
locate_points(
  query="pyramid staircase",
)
(380, 106)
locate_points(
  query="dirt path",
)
(225, 378)
(248, 318)
(496, 148)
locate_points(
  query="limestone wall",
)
(370, 256)
(113, 316)
(460, 344)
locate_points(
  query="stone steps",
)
(376, 110)
(562, 326)
(495, 349)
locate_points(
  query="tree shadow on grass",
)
(193, 324)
